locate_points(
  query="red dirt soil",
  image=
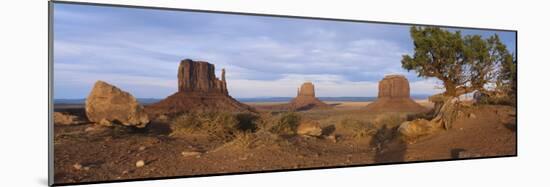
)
(112, 154)
(395, 105)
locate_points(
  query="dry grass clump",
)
(357, 128)
(220, 124)
(370, 126)
(285, 123)
(389, 119)
(244, 140)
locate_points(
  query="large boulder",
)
(412, 130)
(309, 128)
(107, 104)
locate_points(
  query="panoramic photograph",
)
(141, 93)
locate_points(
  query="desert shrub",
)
(286, 123)
(218, 124)
(358, 128)
(382, 137)
(385, 134)
(247, 122)
(265, 121)
(390, 120)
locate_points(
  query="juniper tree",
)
(463, 63)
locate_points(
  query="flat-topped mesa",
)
(199, 76)
(394, 86)
(394, 96)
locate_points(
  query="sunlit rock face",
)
(198, 90)
(394, 96)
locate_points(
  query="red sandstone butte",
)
(394, 96)
(306, 100)
(199, 90)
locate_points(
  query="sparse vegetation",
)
(219, 124)
(244, 140)
(286, 123)
(389, 119)
(247, 121)
(357, 128)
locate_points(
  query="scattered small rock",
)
(162, 117)
(191, 153)
(140, 163)
(95, 129)
(465, 154)
(141, 148)
(243, 158)
(472, 116)
(77, 166)
(65, 119)
(332, 138)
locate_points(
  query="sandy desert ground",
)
(85, 154)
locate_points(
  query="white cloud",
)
(143, 58)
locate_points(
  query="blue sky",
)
(139, 50)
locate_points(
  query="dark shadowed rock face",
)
(394, 96)
(197, 76)
(394, 86)
(107, 104)
(198, 90)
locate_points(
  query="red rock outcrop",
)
(198, 90)
(394, 86)
(394, 96)
(197, 76)
(306, 99)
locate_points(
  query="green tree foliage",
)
(463, 63)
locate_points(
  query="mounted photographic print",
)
(140, 93)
